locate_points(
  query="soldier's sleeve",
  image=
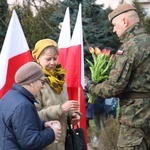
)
(118, 78)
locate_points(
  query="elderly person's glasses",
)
(42, 81)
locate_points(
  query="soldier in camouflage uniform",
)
(129, 79)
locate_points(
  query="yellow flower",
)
(91, 49)
(97, 51)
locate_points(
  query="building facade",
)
(146, 5)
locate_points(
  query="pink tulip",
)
(106, 52)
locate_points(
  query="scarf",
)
(56, 78)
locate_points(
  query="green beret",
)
(122, 8)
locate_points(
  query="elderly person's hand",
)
(75, 118)
(71, 105)
(56, 126)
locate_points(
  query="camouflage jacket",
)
(131, 69)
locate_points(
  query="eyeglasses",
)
(42, 81)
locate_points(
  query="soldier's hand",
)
(88, 86)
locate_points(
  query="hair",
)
(51, 47)
(132, 16)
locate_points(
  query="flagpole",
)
(79, 99)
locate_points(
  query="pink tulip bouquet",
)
(100, 67)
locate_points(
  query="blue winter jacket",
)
(20, 125)
(98, 105)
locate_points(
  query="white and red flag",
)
(64, 38)
(74, 64)
(75, 61)
(15, 52)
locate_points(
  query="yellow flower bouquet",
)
(100, 67)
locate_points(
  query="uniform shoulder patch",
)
(119, 52)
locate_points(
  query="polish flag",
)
(75, 68)
(71, 57)
(64, 39)
(75, 58)
(15, 52)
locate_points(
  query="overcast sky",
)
(112, 3)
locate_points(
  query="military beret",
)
(122, 8)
